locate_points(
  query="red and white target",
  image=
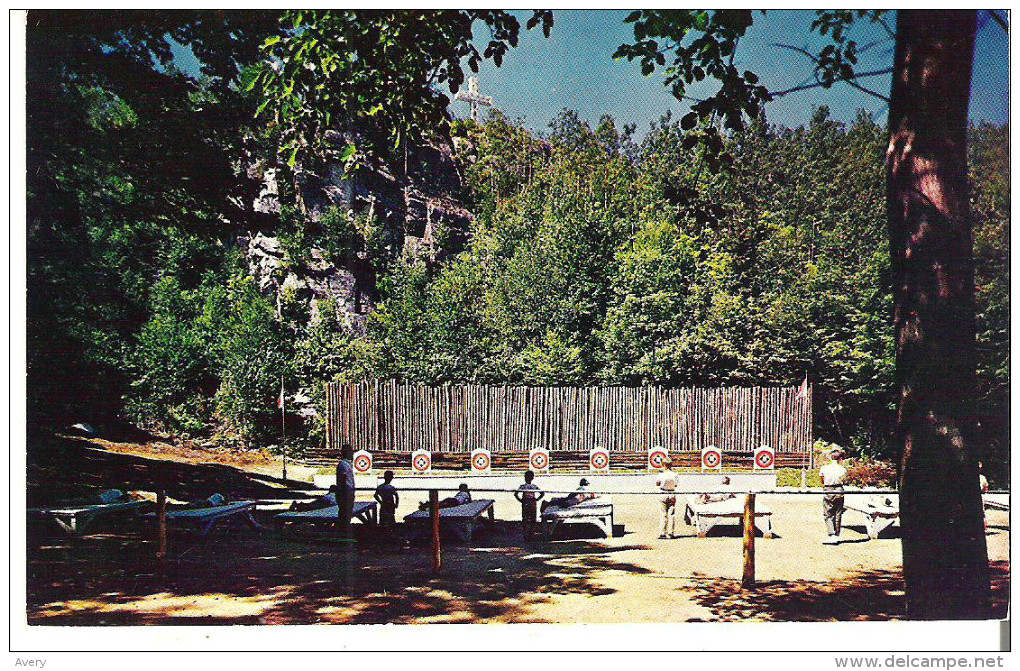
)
(711, 458)
(362, 462)
(481, 460)
(658, 457)
(538, 460)
(598, 460)
(764, 458)
(421, 461)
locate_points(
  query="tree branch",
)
(799, 50)
(870, 45)
(849, 80)
(998, 19)
(857, 86)
(888, 31)
(817, 84)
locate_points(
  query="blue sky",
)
(574, 69)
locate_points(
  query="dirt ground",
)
(271, 576)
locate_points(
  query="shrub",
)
(247, 347)
(168, 364)
(871, 473)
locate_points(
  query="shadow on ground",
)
(241, 576)
(267, 578)
(60, 469)
(866, 595)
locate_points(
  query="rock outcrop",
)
(420, 216)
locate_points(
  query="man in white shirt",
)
(345, 489)
(666, 483)
(833, 475)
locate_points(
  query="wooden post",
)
(437, 555)
(161, 523)
(748, 580)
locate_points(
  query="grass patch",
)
(790, 477)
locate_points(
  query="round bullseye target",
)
(362, 463)
(657, 459)
(421, 462)
(539, 460)
(711, 458)
(480, 461)
(764, 459)
(599, 460)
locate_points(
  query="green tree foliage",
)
(602, 261)
(249, 352)
(132, 176)
(592, 259)
(170, 363)
(676, 317)
(989, 177)
(372, 72)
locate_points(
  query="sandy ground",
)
(239, 575)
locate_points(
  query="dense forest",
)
(586, 254)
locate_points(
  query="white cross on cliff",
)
(474, 97)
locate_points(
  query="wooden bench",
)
(597, 511)
(705, 516)
(363, 510)
(880, 511)
(460, 519)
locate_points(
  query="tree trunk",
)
(945, 558)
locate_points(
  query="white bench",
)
(461, 519)
(597, 511)
(996, 501)
(74, 518)
(880, 511)
(705, 516)
(363, 510)
(208, 517)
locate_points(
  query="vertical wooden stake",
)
(161, 522)
(437, 555)
(748, 580)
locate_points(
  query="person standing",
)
(666, 482)
(983, 483)
(833, 475)
(345, 488)
(529, 495)
(388, 499)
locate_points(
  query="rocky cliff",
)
(420, 217)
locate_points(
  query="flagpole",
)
(283, 401)
(283, 427)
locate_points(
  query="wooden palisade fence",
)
(387, 417)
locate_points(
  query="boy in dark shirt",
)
(388, 499)
(529, 495)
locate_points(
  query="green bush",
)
(247, 348)
(871, 473)
(168, 364)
